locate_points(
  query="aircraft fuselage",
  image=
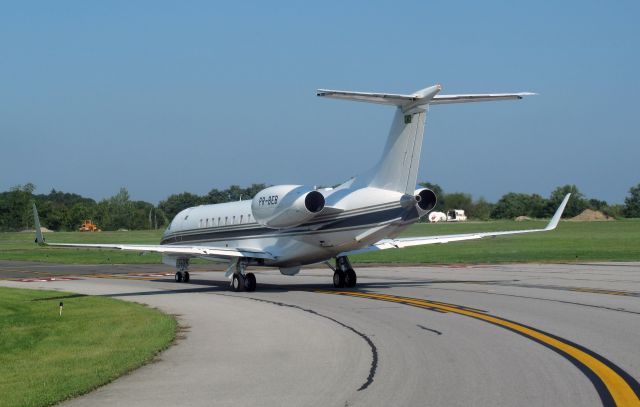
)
(366, 215)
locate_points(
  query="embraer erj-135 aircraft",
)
(288, 226)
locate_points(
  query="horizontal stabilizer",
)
(422, 97)
(381, 98)
(406, 102)
(488, 97)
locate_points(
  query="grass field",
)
(46, 358)
(571, 241)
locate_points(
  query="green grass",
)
(572, 241)
(21, 246)
(45, 358)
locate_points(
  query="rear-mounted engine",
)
(285, 206)
(425, 200)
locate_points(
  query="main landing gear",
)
(242, 281)
(343, 274)
(182, 274)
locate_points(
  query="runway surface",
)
(490, 335)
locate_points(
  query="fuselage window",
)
(226, 220)
(218, 221)
(241, 219)
(234, 220)
(249, 218)
(200, 222)
(206, 223)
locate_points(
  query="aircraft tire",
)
(178, 276)
(338, 279)
(237, 283)
(250, 282)
(186, 277)
(350, 278)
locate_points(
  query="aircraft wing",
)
(178, 250)
(418, 241)
(189, 251)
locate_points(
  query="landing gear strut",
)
(344, 275)
(242, 281)
(182, 274)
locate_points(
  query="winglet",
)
(556, 217)
(36, 218)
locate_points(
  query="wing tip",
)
(553, 223)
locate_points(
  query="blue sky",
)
(165, 97)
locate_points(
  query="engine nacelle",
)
(426, 200)
(285, 206)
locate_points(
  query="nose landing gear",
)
(182, 273)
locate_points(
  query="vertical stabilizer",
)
(397, 170)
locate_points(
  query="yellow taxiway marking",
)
(618, 390)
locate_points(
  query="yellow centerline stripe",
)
(620, 390)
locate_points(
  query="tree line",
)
(62, 211)
(515, 204)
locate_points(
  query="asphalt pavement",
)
(489, 335)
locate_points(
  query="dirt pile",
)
(42, 228)
(590, 215)
(522, 218)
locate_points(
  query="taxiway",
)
(521, 334)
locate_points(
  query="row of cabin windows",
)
(205, 223)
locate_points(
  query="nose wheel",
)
(182, 274)
(182, 277)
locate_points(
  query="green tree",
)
(64, 211)
(481, 209)
(513, 204)
(121, 209)
(632, 203)
(597, 205)
(177, 202)
(459, 200)
(614, 210)
(253, 190)
(81, 211)
(15, 208)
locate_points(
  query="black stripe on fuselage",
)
(354, 221)
(254, 225)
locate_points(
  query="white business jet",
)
(288, 226)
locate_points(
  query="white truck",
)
(456, 215)
(437, 217)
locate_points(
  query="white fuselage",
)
(358, 217)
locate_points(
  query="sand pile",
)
(589, 215)
(42, 229)
(522, 218)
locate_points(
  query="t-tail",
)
(397, 169)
